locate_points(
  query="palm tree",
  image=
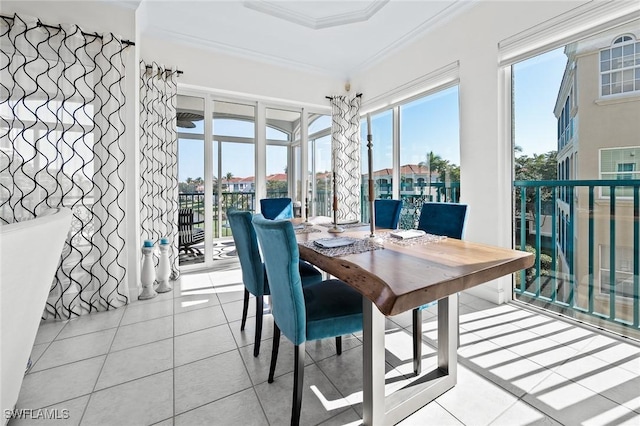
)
(228, 177)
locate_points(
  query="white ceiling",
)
(336, 38)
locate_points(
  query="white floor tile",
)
(141, 333)
(146, 311)
(208, 380)
(44, 388)
(140, 402)
(198, 319)
(225, 412)
(203, 344)
(134, 363)
(73, 349)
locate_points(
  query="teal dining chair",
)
(276, 208)
(387, 213)
(253, 275)
(317, 311)
(445, 219)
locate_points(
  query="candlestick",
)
(371, 188)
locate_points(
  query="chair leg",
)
(274, 351)
(417, 341)
(339, 345)
(259, 308)
(245, 308)
(298, 384)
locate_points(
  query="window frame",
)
(620, 42)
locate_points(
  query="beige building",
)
(598, 112)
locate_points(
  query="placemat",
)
(306, 230)
(359, 246)
(425, 239)
(345, 226)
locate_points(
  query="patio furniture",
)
(387, 213)
(330, 308)
(445, 219)
(276, 208)
(253, 276)
(188, 234)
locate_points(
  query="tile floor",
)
(180, 359)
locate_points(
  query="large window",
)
(620, 66)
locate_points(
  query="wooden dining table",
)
(396, 277)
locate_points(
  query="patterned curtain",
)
(159, 158)
(61, 144)
(345, 148)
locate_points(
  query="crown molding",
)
(436, 80)
(252, 55)
(281, 11)
(577, 23)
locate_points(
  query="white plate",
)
(334, 242)
(408, 233)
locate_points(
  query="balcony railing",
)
(586, 239)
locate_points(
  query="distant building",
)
(598, 112)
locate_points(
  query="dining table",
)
(395, 275)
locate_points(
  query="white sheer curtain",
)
(345, 149)
(159, 157)
(61, 144)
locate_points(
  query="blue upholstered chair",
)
(276, 208)
(387, 213)
(439, 219)
(317, 311)
(253, 275)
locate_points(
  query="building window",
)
(620, 164)
(623, 271)
(620, 67)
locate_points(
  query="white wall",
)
(238, 75)
(485, 147)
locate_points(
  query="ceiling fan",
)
(186, 119)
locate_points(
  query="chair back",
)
(281, 257)
(185, 226)
(387, 213)
(244, 237)
(276, 208)
(443, 219)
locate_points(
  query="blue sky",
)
(428, 124)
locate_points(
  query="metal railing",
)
(586, 238)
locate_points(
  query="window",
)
(623, 271)
(616, 162)
(620, 67)
(620, 164)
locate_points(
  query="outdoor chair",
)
(253, 275)
(445, 219)
(330, 308)
(188, 234)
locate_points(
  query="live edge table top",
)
(398, 278)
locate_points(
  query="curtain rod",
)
(59, 27)
(331, 97)
(151, 66)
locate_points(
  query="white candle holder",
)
(148, 274)
(164, 267)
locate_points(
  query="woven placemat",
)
(345, 226)
(306, 230)
(425, 239)
(359, 246)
